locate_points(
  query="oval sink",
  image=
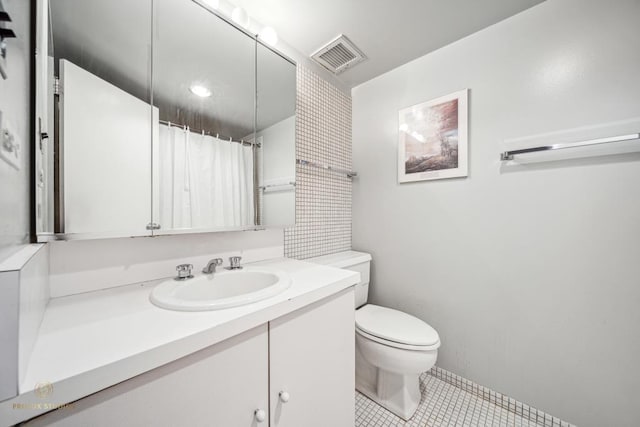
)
(222, 289)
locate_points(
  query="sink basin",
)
(222, 289)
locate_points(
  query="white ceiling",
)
(389, 33)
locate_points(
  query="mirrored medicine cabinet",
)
(159, 117)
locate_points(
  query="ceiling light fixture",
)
(269, 36)
(240, 17)
(200, 91)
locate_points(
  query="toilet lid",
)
(395, 326)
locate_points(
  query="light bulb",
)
(269, 36)
(240, 16)
(200, 91)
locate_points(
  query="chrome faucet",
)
(234, 263)
(184, 272)
(210, 268)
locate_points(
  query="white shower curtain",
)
(205, 182)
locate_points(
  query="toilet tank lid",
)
(396, 326)
(342, 259)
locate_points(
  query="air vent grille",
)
(338, 55)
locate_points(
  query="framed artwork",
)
(432, 141)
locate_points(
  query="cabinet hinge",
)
(56, 86)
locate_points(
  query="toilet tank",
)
(354, 261)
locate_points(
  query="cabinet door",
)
(221, 385)
(106, 156)
(312, 359)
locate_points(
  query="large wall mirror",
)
(159, 117)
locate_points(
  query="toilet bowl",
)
(392, 350)
(392, 347)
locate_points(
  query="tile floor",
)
(443, 404)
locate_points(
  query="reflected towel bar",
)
(285, 184)
(508, 155)
(349, 174)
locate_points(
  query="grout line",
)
(498, 399)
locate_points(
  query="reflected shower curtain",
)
(205, 182)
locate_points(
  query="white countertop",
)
(90, 341)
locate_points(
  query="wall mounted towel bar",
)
(509, 155)
(274, 186)
(348, 173)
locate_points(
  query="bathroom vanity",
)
(117, 359)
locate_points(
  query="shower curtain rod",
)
(206, 132)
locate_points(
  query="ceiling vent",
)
(338, 55)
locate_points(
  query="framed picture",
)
(432, 141)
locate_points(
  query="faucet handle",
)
(184, 271)
(234, 262)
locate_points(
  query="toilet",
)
(392, 348)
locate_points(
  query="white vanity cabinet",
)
(312, 365)
(221, 385)
(308, 353)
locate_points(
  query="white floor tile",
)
(442, 405)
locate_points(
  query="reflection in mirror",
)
(99, 160)
(275, 132)
(153, 126)
(204, 86)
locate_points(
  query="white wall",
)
(279, 149)
(532, 277)
(278, 167)
(14, 109)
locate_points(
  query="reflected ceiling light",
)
(417, 136)
(269, 36)
(240, 16)
(404, 127)
(213, 4)
(200, 91)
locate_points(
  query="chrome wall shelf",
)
(509, 155)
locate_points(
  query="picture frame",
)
(433, 139)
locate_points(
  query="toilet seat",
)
(397, 344)
(395, 328)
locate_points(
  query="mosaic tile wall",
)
(323, 198)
